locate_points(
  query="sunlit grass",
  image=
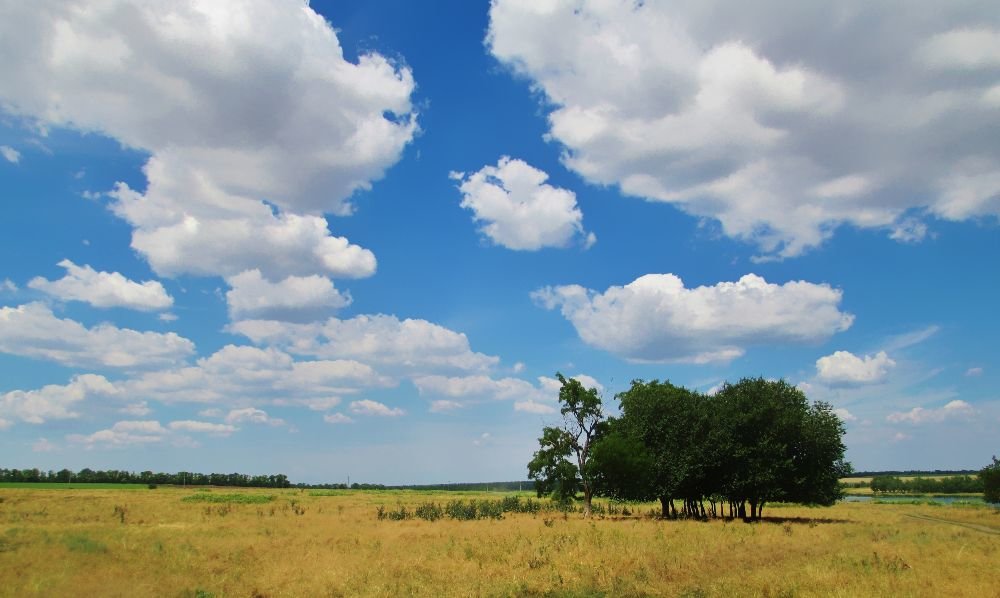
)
(330, 543)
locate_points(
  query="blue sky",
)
(360, 238)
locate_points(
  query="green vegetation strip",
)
(245, 499)
(978, 528)
(72, 486)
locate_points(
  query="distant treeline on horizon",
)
(914, 472)
(114, 476)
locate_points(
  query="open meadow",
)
(239, 542)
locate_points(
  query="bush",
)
(429, 511)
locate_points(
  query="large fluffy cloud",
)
(124, 433)
(33, 330)
(54, 401)
(779, 128)
(518, 210)
(104, 289)
(656, 319)
(409, 345)
(845, 368)
(239, 102)
(295, 297)
(241, 376)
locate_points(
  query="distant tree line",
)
(113, 476)
(342, 486)
(753, 442)
(470, 486)
(913, 473)
(946, 485)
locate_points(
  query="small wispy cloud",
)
(10, 154)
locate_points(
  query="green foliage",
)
(461, 510)
(990, 476)
(619, 465)
(552, 466)
(754, 442)
(243, 499)
(888, 484)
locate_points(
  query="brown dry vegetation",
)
(152, 543)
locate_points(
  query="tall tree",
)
(671, 423)
(552, 466)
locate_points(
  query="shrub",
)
(429, 511)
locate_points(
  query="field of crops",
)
(232, 542)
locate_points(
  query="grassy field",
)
(271, 542)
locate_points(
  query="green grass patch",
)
(84, 543)
(243, 499)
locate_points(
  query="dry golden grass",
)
(75, 543)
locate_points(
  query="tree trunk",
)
(664, 507)
(588, 495)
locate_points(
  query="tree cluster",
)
(753, 442)
(946, 485)
(112, 476)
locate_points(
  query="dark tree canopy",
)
(753, 442)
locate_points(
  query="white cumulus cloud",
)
(295, 297)
(33, 330)
(410, 345)
(453, 392)
(54, 401)
(337, 418)
(843, 368)
(770, 126)
(123, 433)
(237, 102)
(656, 318)
(241, 374)
(252, 415)
(369, 407)
(518, 210)
(956, 409)
(845, 415)
(104, 289)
